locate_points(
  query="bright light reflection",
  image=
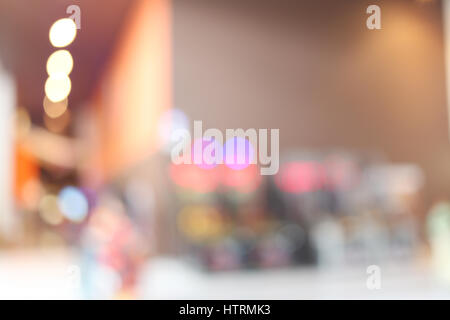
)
(62, 32)
(60, 63)
(57, 88)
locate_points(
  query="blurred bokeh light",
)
(92, 205)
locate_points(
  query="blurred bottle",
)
(329, 242)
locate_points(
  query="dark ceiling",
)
(25, 47)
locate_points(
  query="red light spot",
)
(244, 180)
(191, 177)
(299, 177)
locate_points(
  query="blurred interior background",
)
(91, 205)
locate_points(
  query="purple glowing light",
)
(238, 153)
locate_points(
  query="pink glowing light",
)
(300, 177)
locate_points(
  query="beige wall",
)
(313, 69)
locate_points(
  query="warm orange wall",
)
(135, 89)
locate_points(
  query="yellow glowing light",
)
(201, 222)
(57, 125)
(55, 109)
(49, 210)
(60, 63)
(57, 88)
(62, 32)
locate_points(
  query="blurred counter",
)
(53, 274)
(172, 279)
